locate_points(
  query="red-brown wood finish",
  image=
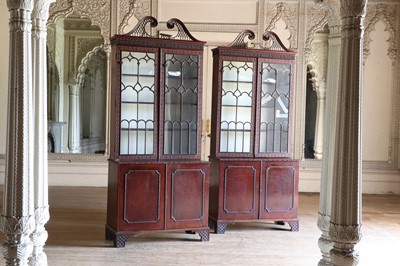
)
(156, 188)
(255, 185)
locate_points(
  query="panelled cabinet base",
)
(119, 239)
(220, 227)
(253, 191)
(157, 197)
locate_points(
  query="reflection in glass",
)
(236, 101)
(180, 99)
(274, 124)
(76, 86)
(137, 103)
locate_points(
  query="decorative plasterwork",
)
(97, 11)
(333, 8)
(97, 58)
(317, 18)
(79, 24)
(129, 8)
(289, 14)
(387, 13)
(84, 47)
(318, 64)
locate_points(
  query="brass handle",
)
(206, 128)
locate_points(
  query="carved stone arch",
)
(97, 51)
(388, 15)
(317, 20)
(129, 8)
(98, 12)
(288, 12)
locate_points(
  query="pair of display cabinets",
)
(157, 181)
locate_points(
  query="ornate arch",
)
(317, 19)
(388, 14)
(98, 12)
(286, 12)
(129, 8)
(97, 51)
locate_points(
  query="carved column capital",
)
(353, 8)
(346, 235)
(325, 244)
(20, 4)
(334, 19)
(17, 245)
(74, 89)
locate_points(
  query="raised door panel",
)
(239, 189)
(143, 198)
(279, 190)
(187, 196)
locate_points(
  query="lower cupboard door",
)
(279, 190)
(238, 191)
(187, 196)
(143, 202)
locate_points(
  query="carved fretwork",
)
(239, 40)
(183, 33)
(140, 29)
(119, 240)
(220, 228)
(272, 42)
(294, 225)
(204, 235)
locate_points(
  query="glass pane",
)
(137, 103)
(236, 101)
(274, 124)
(180, 99)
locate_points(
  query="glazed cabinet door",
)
(180, 104)
(274, 109)
(187, 195)
(279, 189)
(142, 197)
(239, 190)
(235, 113)
(136, 104)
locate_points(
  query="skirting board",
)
(94, 174)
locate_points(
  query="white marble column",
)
(39, 73)
(332, 85)
(74, 133)
(18, 220)
(319, 123)
(345, 225)
(107, 50)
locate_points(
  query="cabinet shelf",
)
(138, 129)
(133, 102)
(137, 75)
(238, 81)
(233, 105)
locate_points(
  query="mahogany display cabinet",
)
(156, 180)
(253, 177)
